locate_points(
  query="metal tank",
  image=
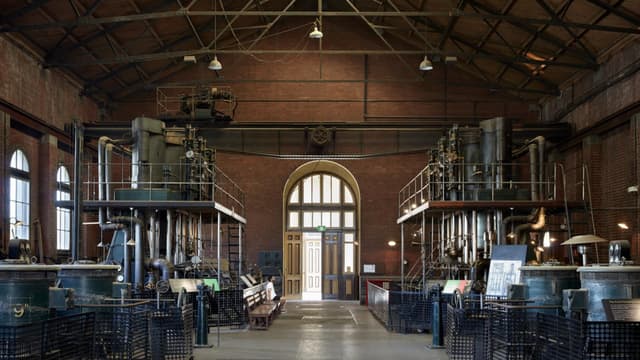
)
(24, 291)
(91, 282)
(544, 283)
(608, 282)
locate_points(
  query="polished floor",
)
(320, 330)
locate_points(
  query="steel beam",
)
(623, 14)
(85, 21)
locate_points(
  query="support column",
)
(592, 157)
(5, 123)
(635, 141)
(44, 225)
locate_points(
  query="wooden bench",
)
(261, 312)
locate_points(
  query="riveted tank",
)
(608, 282)
(91, 282)
(546, 282)
(24, 291)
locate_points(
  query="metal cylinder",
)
(608, 282)
(91, 282)
(533, 169)
(139, 254)
(544, 284)
(488, 144)
(24, 292)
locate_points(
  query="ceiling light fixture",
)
(426, 64)
(316, 33)
(215, 64)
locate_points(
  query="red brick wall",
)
(44, 93)
(380, 179)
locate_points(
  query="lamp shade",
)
(425, 64)
(215, 64)
(316, 34)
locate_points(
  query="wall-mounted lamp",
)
(623, 226)
(391, 243)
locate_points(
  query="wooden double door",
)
(301, 266)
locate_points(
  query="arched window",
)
(19, 195)
(323, 202)
(63, 215)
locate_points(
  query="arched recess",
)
(336, 240)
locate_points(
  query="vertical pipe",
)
(401, 256)
(78, 150)
(169, 235)
(127, 255)
(219, 242)
(533, 169)
(139, 252)
(474, 236)
(541, 164)
(239, 249)
(499, 228)
(108, 152)
(423, 247)
(156, 254)
(101, 167)
(199, 237)
(151, 235)
(464, 237)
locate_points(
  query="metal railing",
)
(435, 183)
(378, 302)
(158, 182)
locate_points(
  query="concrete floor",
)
(320, 330)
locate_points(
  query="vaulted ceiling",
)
(526, 47)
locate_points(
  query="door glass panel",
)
(335, 219)
(348, 197)
(348, 257)
(348, 219)
(335, 190)
(315, 189)
(294, 198)
(317, 218)
(326, 219)
(307, 219)
(294, 217)
(306, 190)
(326, 189)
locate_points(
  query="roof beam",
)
(562, 50)
(554, 16)
(84, 21)
(107, 30)
(452, 23)
(483, 54)
(34, 5)
(270, 25)
(530, 29)
(623, 14)
(549, 85)
(163, 48)
(70, 30)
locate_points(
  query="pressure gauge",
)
(120, 278)
(189, 154)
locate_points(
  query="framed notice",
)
(622, 309)
(504, 270)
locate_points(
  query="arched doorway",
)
(321, 222)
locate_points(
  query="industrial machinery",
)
(163, 201)
(479, 190)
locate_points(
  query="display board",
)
(622, 309)
(504, 270)
(452, 285)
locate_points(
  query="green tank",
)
(91, 282)
(24, 291)
(608, 282)
(546, 282)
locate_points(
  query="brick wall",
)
(380, 179)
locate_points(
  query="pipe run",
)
(522, 228)
(163, 265)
